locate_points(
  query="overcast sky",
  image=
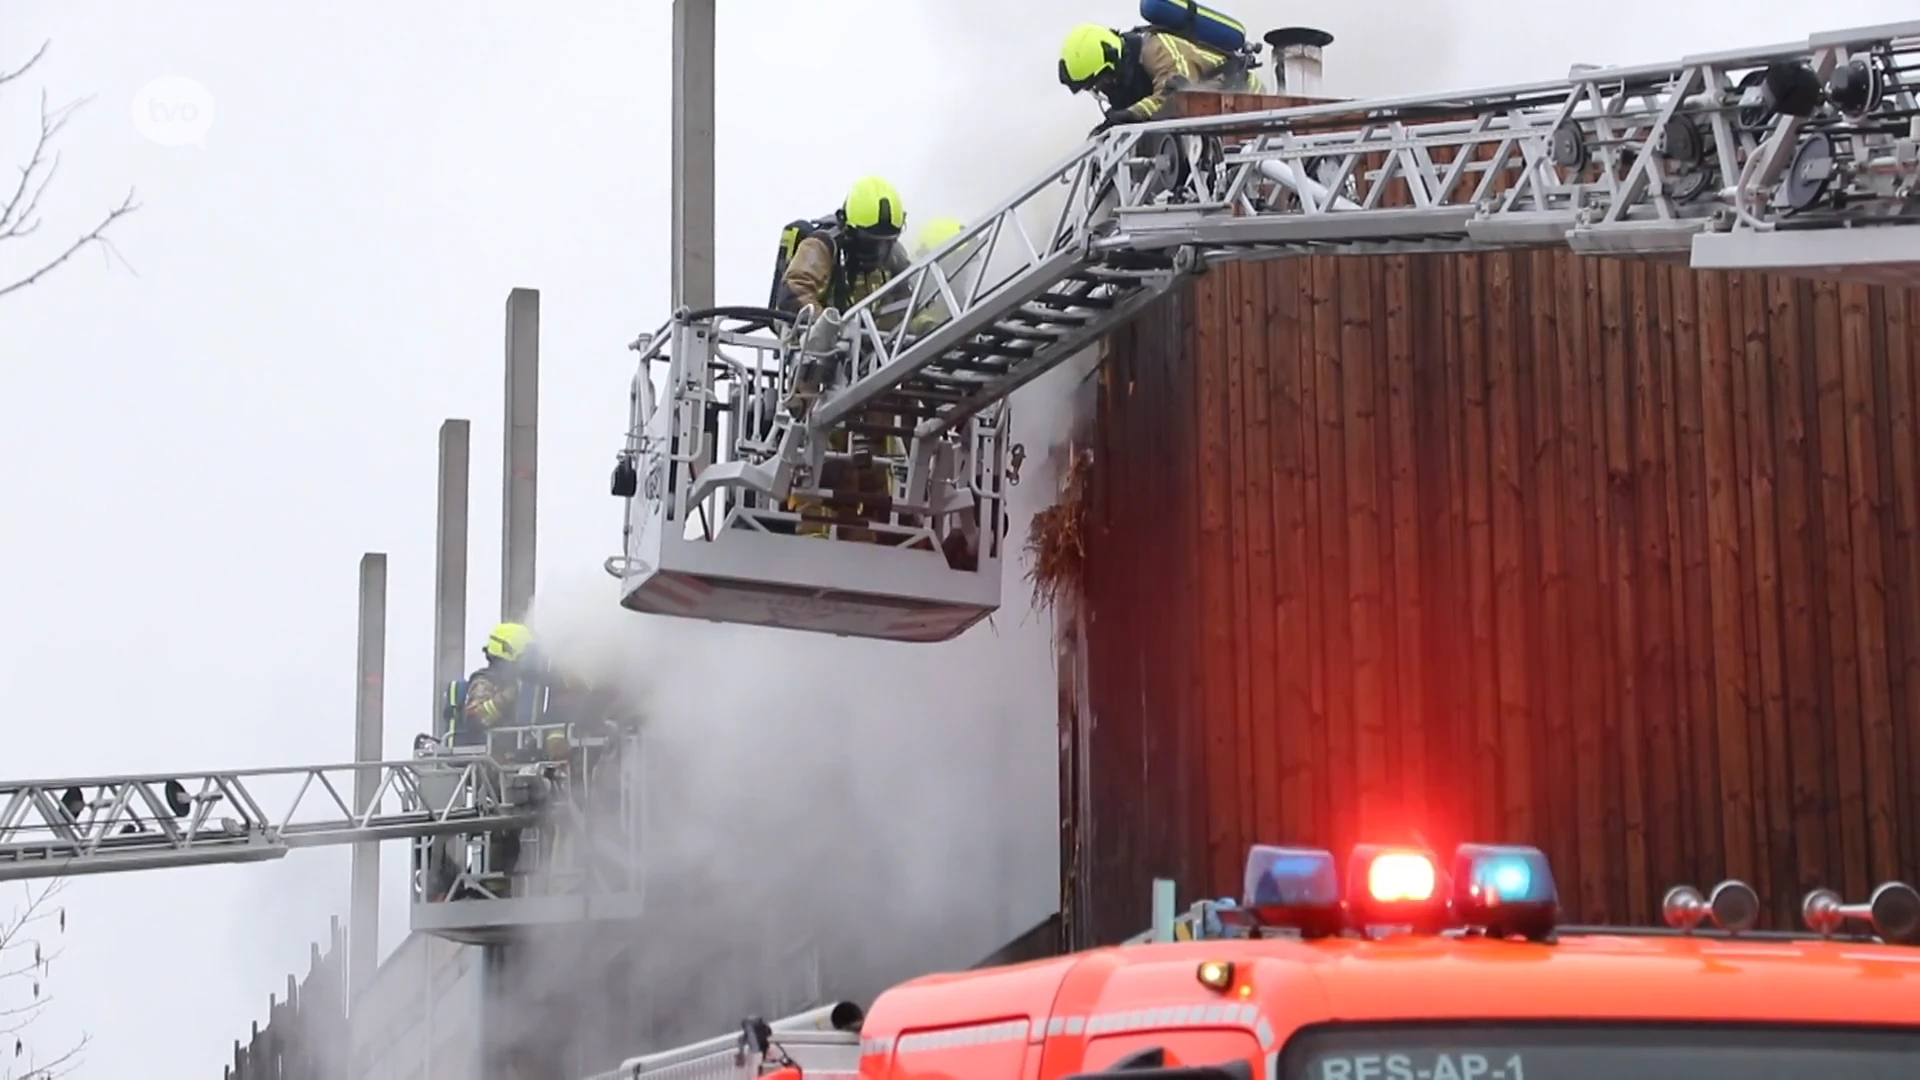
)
(199, 454)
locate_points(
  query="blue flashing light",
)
(1283, 877)
(1493, 876)
(1503, 875)
(1505, 889)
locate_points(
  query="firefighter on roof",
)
(836, 263)
(1135, 72)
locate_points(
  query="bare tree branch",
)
(19, 213)
(8, 76)
(25, 990)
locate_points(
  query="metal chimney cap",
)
(1288, 36)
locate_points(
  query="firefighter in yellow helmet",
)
(1137, 71)
(843, 258)
(837, 263)
(496, 695)
(934, 233)
(927, 240)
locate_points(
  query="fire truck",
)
(1406, 966)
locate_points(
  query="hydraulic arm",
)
(1802, 158)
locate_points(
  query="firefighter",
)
(1137, 71)
(460, 730)
(934, 233)
(836, 264)
(844, 258)
(498, 694)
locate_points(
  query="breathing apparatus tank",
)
(1196, 22)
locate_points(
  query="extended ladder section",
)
(541, 824)
(879, 435)
(109, 824)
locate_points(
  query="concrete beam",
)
(693, 155)
(450, 559)
(369, 721)
(520, 490)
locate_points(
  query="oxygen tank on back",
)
(778, 298)
(1196, 22)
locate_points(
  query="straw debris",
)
(1056, 542)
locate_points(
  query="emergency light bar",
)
(1393, 886)
(1501, 890)
(1505, 891)
(1293, 887)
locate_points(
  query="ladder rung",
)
(1053, 300)
(988, 362)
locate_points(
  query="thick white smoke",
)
(826, 816)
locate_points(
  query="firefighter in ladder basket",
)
(836, 262)
(1184, 47)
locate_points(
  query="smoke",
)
(823, 817)
(820, 817)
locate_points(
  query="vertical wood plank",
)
(1770, 685)
(1451, 617)
(1285, 334)
(1904, 607)
(1700, 817)
(1558, 761)
(1264, 660)
(1881, 354)
(1393, 737)
(1626, 779)
(1362, 512)
(1586, 488)
(1484, 695)
(1511, 638)
(1216, 628)
(1238, 720)
(1849, 770)
(1654, 612)
(1410, 471)
(1738, 341)
(1334, 570)
(1669, 363)
(1317, 314)
(1865, 510)
(1723, 547)
(1793, 447)
(1583, 705)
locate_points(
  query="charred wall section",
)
(1609, 557)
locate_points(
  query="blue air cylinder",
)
(1195, 22)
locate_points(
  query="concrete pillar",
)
(363, 927)
(692, 242)
(522, 453)
(520, 467)
(450, 560)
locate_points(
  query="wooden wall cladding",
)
(1605, 556)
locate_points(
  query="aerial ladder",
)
(540, 824)
(1801, 159)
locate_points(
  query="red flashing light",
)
(1401, 877)
(1395, 886)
